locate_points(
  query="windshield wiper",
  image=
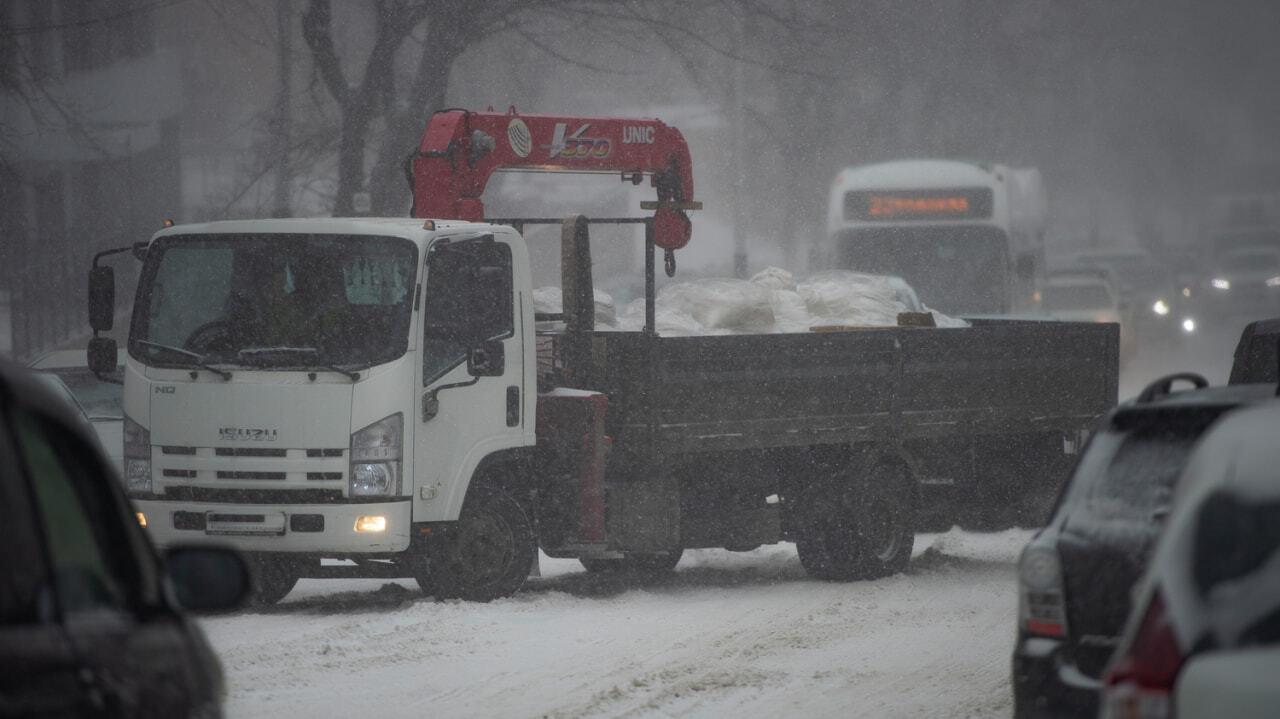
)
(199, 358)
(249, 354)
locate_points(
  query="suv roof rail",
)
(1161, 387)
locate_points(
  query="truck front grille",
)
(254, 496)
(234, 469)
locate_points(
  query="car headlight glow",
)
(1160, 307)
(376, 452)
(1189, 325)
(137, 458)
(1273, 281)
(1220, 283)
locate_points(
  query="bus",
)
(968, 237)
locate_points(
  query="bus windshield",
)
(956, 269)
(274, 301)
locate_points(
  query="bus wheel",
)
(490, 552)
(858, 527)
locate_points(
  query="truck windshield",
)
(276, 301)
(956, 269)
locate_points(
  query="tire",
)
(857, 527)
(272, 579)
(653, 564)
(488, 554)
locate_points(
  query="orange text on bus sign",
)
(888, 205)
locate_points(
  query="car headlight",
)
(376, 452)
(1220, 283)
(1160, 307)
(1273, 281)
(1189, 325)
(137, 458)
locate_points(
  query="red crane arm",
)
(461, 150)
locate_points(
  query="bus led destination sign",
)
(968, 203)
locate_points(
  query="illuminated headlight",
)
(1273, 281)
(137, 458)
(1160, 307)
(376, 452)
(371, 524)
(1220, 283)
(1189, 325)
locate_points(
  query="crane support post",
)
(461, 150)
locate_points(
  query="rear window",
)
(1131, 474)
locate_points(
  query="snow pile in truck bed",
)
(770, 302)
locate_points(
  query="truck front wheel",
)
(488, 554)
(857, 527)
(273, 577)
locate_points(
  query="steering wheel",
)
(207, 335)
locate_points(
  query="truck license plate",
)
(244, 523)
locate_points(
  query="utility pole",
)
(283, 119)
(739, 147)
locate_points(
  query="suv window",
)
(22, 569)
(91, 554)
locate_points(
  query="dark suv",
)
(90, 618)
(1075, 575)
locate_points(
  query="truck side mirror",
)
(486, 360)
(102, 355)
(102, 298)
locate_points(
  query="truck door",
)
(471, 379)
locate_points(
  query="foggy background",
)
(116, 115)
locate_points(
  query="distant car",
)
(54, 384)
(91, 619)
(1243, 285)
(1205, 623)
(1080, 295)
(1075, 575)
(102, 401)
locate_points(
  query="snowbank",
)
(771, 302)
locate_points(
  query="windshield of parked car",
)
(274, 301)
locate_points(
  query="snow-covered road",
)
(744, 634)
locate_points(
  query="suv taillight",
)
(1139, 683)
(1041, 608)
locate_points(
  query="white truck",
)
(373, 391)
(395, 421)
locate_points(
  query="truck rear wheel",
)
(857, 527)
(490, 552)
(648, 564)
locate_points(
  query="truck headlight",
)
(137, 458)
(376, 452)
